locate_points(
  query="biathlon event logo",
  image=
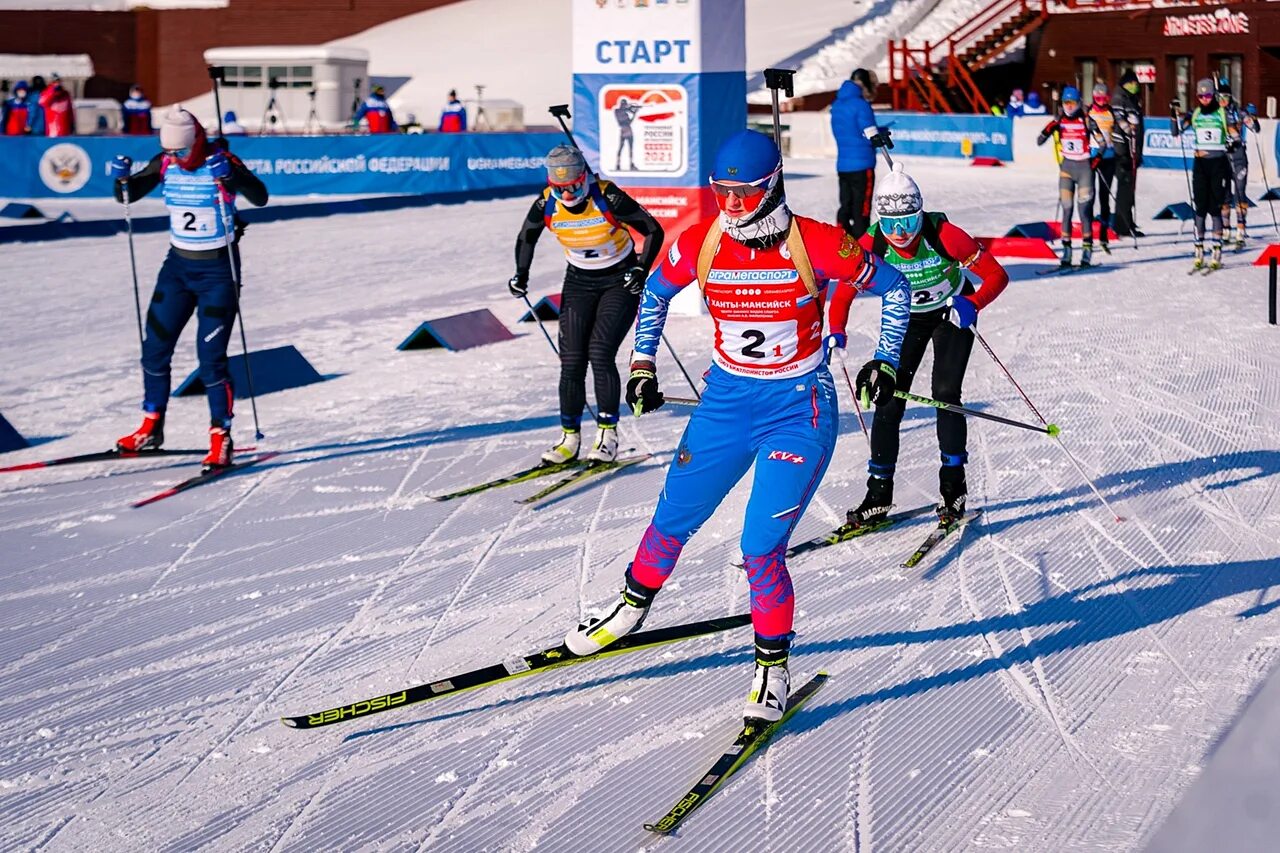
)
(65, 167)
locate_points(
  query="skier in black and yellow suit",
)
(602, 287)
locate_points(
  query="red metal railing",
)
(958, 77)
(991, 18)
(910, 65)
(911, 79)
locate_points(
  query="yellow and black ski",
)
(585, 472)
(937, 535)
(845, 532)
(752, 738)
(542, 469)
(510, 669)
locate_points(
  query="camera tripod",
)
(272, 114)
(313, 125)
(481, 118)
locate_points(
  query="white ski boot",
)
(565, 451)
(606, 446)
(770, 684)
(597, 634)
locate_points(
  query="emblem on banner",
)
(65, 168)
(644, 130)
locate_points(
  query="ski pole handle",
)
(870, 133)
(1048, 429)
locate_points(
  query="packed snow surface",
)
(1053, 680)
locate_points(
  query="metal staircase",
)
(938, 76)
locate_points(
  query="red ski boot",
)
(149, 436)
(220, 449)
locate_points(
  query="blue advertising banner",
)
(1162, 150)
(391, 164)
(939, 135)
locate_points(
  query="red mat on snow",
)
(1017, 247)
(1272, 251)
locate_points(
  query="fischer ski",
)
(584, 473)
(542, 469)
(513, 668)
(103, 456)
(202, 478)
(752, 738)
(936, 536)
(845, 532)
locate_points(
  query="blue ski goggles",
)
(901, 226)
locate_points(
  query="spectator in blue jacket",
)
(35, 112)
(377, 112)
(1016, 104)
(14, 120)
(854, 125)
(136, 113)
(453, 118)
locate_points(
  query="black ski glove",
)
(881, 139)
(518, 284)
(642, 388)
(876, 382)
(633, 280)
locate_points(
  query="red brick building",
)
(164, 49)
(1238, 41)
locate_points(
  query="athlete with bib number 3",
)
(770, 400)
(200, 184)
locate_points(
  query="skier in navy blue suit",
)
(200, 185)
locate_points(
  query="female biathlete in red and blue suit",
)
(769, 397)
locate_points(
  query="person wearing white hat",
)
(200, 184)
(933, 254)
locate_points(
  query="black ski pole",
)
(1079, 468)
(561, 112)
(229, 225)
(551, 343)
(217, 73)
(1047, 429)
(1174, 106)
(133, 261)
(680, 365)
(1262, 165)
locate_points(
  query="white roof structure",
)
(24, 66)
(285, 53)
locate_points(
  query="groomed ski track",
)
(1047, 680)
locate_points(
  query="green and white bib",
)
(1210, 129)
(933, 278)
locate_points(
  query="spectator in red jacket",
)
(16, 109)
(377, 112)
(59, 114)
(453, 118)
(137, 113)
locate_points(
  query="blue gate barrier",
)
(942, 135)
(392, 164)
